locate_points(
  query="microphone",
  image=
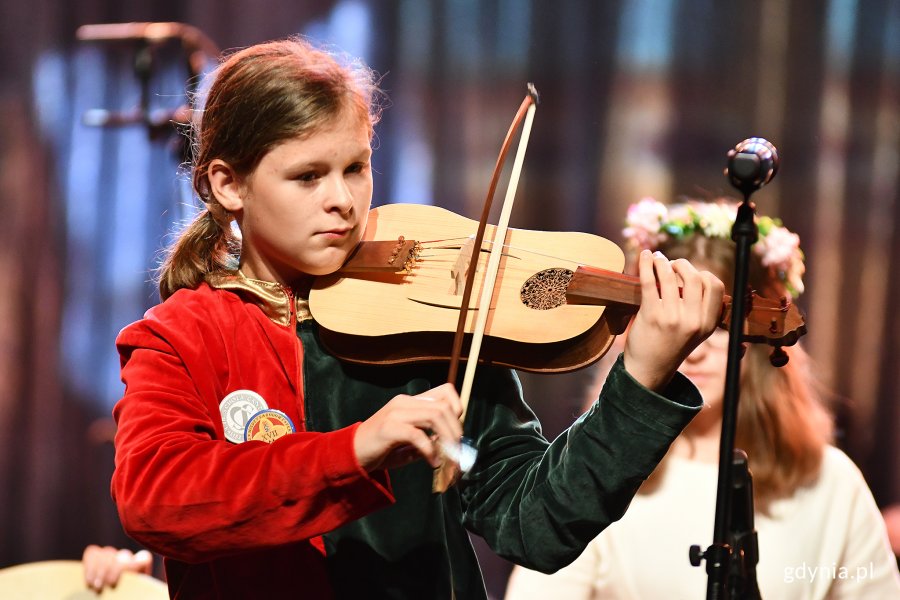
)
(752, 164)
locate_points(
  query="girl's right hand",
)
(405, 428)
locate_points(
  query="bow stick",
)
(447, 473)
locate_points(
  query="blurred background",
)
(639, 98)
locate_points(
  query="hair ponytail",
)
(206, 245)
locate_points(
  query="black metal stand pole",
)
(742, 533)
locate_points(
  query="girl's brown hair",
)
(259, 97)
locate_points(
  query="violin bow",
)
(446, 474)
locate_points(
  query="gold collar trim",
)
(272, 298)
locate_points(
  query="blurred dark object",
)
(198, 49)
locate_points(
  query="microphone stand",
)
(731, 559)
(199, 51)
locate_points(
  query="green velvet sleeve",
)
(537, 503)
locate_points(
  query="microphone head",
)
(752, 164)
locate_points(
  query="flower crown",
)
(650, 223)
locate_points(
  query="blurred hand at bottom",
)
(104, 565)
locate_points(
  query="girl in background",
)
(820, 533)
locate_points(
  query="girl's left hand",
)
(680, 307)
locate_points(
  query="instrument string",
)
(437, 266)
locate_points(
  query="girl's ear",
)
(225, 185)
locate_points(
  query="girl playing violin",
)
(258, 463)
(820, 534)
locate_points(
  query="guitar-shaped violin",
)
(559, 298)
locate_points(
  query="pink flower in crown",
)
(779, 249)
(643, 223)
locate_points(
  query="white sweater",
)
(826, 541)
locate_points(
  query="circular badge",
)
(267, 426)
(236, 409)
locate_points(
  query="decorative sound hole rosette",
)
(546, 289)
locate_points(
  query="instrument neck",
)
(590, 285)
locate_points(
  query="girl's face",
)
(304, 208)
(705, 366)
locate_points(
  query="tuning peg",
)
(779, 357)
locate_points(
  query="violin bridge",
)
(461, 267)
